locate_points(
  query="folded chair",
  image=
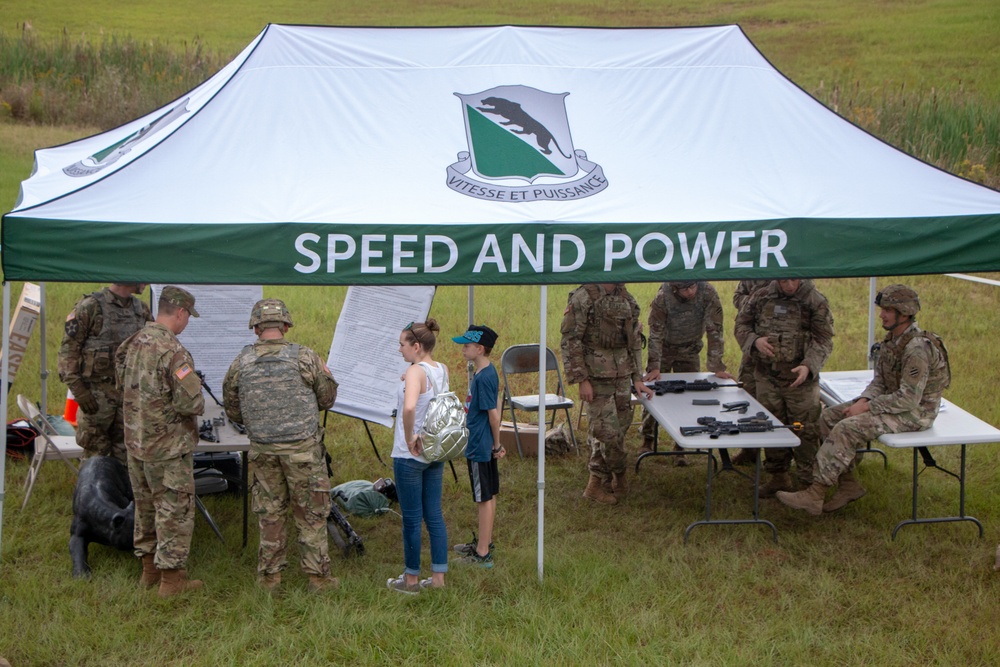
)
(523, 359)
(49, 445)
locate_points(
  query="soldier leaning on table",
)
(682, 313)
(911, 371)
(790, 327)
(602, 352)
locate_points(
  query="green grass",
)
(620, 586)
(921, 44)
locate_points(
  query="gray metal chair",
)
(49, 445)
(523, 359)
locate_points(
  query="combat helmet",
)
(900, 298)
(269, 312)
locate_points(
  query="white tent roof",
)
(682, 151)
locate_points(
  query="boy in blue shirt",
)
(483, 448)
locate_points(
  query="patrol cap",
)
(480, 334)
(180, 298)
(682, 284)
(900, 298)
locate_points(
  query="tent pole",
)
(871, 319)
(470, 367)
(5, 373)
(542, 349)
(43, 357)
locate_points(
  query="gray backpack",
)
(444, 434)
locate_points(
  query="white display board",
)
(220, 332)
(364, 355)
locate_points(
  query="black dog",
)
(515, 115)
(103, 510)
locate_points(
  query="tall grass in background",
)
(99, 84)
(955, 131)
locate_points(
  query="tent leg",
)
(542, 348)
(5, 373)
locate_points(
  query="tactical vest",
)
(614, 324)
(277, 405)
(785, 322)
(685, 320)
(118, 323)
(889, 362)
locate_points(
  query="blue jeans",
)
(418, 486)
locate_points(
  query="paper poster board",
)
(364, 355)
(220, 332)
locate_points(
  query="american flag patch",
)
(183, 371)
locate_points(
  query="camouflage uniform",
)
(800, 327)
(676, 328)
(94, 329)
(747, 361)
(161, 397)
(601, 343)
(911, 371)
(276, 389)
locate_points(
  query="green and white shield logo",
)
(521, 133)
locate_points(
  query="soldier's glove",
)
(86, 400)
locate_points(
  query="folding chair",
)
(520, 359)
(49, 445)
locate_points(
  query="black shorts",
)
(485, 479)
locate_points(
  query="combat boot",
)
(848, 490)
(174, 582)
(647, 446)
(319, 584)
(810, 500)
(619, 484)
(746, 457)
(270, 581)
(595, 491)
(150, 575)
(780, 481)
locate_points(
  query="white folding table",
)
(953, 426)
(673, 411)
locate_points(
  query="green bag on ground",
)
(360, 498)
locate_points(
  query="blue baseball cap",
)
(480, 334)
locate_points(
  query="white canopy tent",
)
(491, 155)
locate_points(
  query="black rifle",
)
(661, 387)
(340, 530)
(239, 427)
(759, 423)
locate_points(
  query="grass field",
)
(620, 586)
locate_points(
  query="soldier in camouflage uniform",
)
(911, 371)
(161, 397)
(747, 363)
(94, 329)
(602, 352)
(790, 327)
(276, 389)
(681, 314)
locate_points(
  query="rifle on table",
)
(240, 428)
(759, 423)
(661, 387)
